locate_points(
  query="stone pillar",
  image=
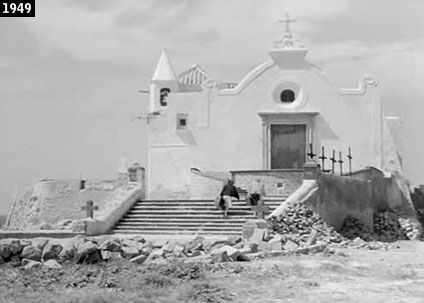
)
(311, 171)
(137, 176)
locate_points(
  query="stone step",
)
(196, 206)
(199, 216)
(171, 213)
(183, 207)
(179, 228)
(181, 223)
(198, 220)
(181, 232)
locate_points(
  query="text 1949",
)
(17, 8)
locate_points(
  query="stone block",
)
(31, 253)
(130, 251)
(139, 259)
(290, 245)
(312, 239)
(110, 244)
(53, 264)
(258, 235)
(51, 251)
(251, 225)
(264, 246)
(109, 255)
(276, 245)
(30, 264)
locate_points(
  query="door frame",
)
(269, 119)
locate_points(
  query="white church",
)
(266, 124)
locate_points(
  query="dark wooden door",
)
(288, 146)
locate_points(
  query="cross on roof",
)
(287, 21)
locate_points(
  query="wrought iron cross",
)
(322, 157)
(349, 156)
(287, 21)
(311, 153)
(341, 163)
(261, 209)
(333, 160)
(89, 207)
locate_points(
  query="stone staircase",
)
(187, 217)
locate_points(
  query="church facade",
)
(281, 111)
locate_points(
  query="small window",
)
(163, 96)
(287, 96)
(182, 120)
(82, 184)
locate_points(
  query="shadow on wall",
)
(2, 220)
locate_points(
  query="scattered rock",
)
(52, 264)
(290, 245)
(358, 242)
(251, 225)
(227, 250)
(130, 251)
(45, 226)
(51, 251)
(68, 252)
(4, 249)
(88, 253)
(109, 255)
(110, 244)
(139, 259)
(30, 264)
(39, 243)
(31, 253)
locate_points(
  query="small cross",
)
(349, 156)
(311, 153)
(89, 207)
(261, 209)
(333, 160)
(287, 21)
(323, 158)
(341, 163)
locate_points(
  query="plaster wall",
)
(50, 201)
(225, 131)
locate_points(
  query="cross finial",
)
(287, 21)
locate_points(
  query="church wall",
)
(225, 132)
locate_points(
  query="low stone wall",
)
(336, 197)
(276, 182)
(48, 203)
(206, 186)
(113, 211)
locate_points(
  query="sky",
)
(69, 78)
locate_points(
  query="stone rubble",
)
(297, 231)
(303, 227)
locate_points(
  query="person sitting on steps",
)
(229, 192)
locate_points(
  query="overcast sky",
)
(69, 77)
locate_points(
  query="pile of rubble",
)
(298, 222)
(352, 228)
(53, 253)
(389, 227)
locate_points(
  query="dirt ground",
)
(346, 275)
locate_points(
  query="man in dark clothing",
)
(229, 192)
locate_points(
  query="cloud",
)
(372, 22)
(91, 5)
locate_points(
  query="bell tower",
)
(163, 83)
